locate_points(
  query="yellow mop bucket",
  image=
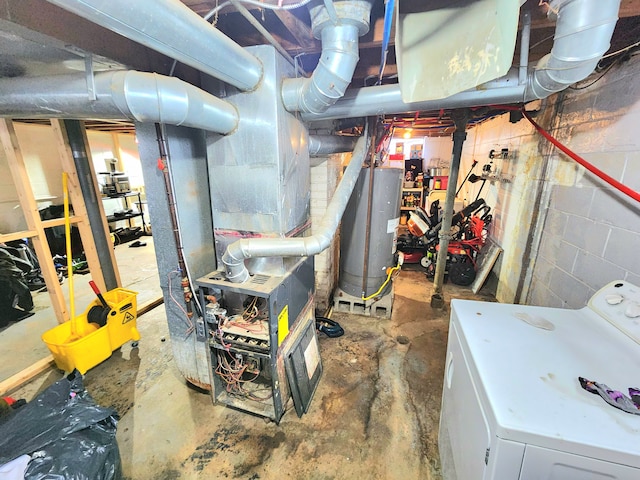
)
(107, 323)
(96, 343)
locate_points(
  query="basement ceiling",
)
(38, 38)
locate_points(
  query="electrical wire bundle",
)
(231, 370)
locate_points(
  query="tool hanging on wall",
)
(473, 164)
(473, 178)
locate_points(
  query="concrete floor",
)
(374, 415)
(20, 342)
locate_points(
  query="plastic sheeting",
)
(67, 435)
(454, 46)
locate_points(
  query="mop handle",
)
(96, 290)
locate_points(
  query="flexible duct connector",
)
(173, 29)
(583, 34)
(331, 77)
(139, 96)
(238, 251)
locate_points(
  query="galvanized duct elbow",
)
(339, 31)
(583, 34)
(172, 28)
(237, 252)
(140, 96)
(331, 77)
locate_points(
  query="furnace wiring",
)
(188, 321)
(232, 371)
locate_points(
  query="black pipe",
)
(461, 118)
(79, 150)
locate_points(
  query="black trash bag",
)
(67, 435)
(14, 290)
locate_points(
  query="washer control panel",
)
(619, 303)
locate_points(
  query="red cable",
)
(599, 173)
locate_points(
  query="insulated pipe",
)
(328, 144)
(172, 28)
(583, 35)
(238, 251)
(144, 97)
(331, 77)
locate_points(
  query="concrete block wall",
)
(565, 233)
(591, 233)
(510, 191)
(324, 180)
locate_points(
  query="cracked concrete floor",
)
(374, 415)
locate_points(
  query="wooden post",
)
(29, 206)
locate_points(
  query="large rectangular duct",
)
(259, 174)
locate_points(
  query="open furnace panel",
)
(262, 341)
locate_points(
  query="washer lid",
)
(528, 360)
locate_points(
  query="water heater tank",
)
(385, 216)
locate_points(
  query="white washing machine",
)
(512, 405)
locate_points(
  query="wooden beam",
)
(78, 201)
(629, 8)
(150, 305)
(58, 222)
(29, 206)
(16, 381)
(9, 237)
(298, 30)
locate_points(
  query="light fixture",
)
(407, 132)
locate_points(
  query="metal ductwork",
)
(139, 96)
(583, 35)
(328, 144)
(338, 59)
(171, 28)
(240, 250)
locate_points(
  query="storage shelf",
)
(115, 218)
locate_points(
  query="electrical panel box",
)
(259, 333)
